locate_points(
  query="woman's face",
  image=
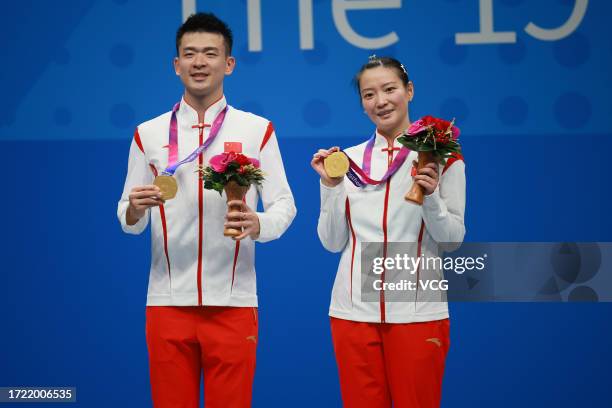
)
(385, 99)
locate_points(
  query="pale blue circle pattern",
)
(572, 110)
(512, 53)
(513, 111)
(455, 108)
(62, 116)
(316, 113)
(451, 53)
(572, 51)
(122, 116)
(121, 55)
(319, 55)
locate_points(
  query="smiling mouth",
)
(384, 113)
(199, 76)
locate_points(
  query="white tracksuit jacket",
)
(192, 262)
(350, 216)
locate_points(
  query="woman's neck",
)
(392, 134)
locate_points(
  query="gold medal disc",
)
(167, 185)
(336, 164)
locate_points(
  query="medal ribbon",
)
(173, 139)
(361, 177)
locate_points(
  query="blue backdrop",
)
(530, 92)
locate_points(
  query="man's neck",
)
(201, 104)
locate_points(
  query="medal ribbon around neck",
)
(173, 141)
(361, 177)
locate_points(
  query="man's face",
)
(202, 63)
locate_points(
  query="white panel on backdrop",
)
(340, 7)
(306, 25)
(254, 23)
(189, 8)
(564, 30)
(487, 34)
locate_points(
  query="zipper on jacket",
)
(200, 217)
(384, 224)
(201, 126)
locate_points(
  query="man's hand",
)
(244, 218)
(141, 198)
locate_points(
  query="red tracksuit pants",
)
(381, 364)
(184, 341)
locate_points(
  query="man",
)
(202, 304)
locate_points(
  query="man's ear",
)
(230, 64)
(176, 66)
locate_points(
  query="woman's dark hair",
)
(205, 23)
(387, 62)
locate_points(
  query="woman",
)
(390, 349)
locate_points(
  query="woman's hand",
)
(317, 165)
(427, 177)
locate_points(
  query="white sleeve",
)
(278, 203)
(443, 210)
(333, 228)
(137, 175)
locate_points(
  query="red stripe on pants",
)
(184, 340)
(384, 363)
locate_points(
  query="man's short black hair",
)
(207, 23)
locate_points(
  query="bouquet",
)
(233, 173)
(435, 140)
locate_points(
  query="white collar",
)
(190, 115)
(381, 142)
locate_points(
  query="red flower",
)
(428, 120)
(442, 138)
(441, 125)
(242, 160)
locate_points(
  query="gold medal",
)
(167, 185)
(336, 164)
